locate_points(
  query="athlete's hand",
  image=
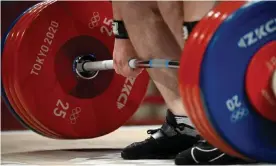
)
(123, 52)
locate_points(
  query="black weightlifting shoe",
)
(204, 153)
(164, 143)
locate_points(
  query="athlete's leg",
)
(152, 38)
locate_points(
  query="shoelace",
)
(152, 131)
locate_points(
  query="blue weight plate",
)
(3, 93)
(222, 80)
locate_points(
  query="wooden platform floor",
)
(28, 148)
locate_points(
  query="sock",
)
(179, 121)
(181, 124)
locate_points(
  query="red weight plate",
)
(20, 32)
(11, 41)
(87, 20)
(65, 104)
(259, 80)
(7, 71)
(190, 69)
(7, 67)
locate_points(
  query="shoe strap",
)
(170, 131)
(165, 130)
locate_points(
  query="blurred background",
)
(151, 112)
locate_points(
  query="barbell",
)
(57, 77)
(85, 66)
